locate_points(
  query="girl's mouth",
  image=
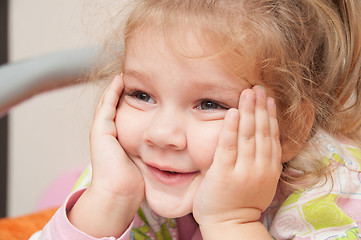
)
(170, 177)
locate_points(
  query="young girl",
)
(187, 142)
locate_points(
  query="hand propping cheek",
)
(116, 191)
(243, 178)
(113, 170)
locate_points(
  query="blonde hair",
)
(307, 52)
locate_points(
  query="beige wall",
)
(49, 133)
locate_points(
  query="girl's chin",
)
(169, 209)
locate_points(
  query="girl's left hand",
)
(242, 181)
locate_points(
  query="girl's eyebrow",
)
(221, 85)
(135, 74)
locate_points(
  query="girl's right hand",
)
(108, 206)
(113, 170)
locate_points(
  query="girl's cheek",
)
(127, 129)
(202, 143)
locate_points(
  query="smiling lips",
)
(171, 177)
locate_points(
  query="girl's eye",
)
(209, 105)
(142, 96)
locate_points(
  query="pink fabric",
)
(188, 229)
(60, 228)
(351, 207)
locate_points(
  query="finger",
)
(105, 115)
(263, 140)
(226, 151)
(110, 99)
(113, 92)
(246, 132)
(274, 132)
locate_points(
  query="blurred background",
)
(47, 135)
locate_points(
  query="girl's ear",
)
(290, 148)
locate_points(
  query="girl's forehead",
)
(185, 42)
(191, 52)
(195, 43)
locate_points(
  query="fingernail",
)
(271, 102)
(250, 96)
(233, 114)
(260, 91)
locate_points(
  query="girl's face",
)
(170, 116)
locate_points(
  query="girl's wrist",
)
(132, 193)
(124, 203)
(99, 213)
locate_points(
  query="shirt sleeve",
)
(59, 227)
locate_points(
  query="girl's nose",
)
(166, 130)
